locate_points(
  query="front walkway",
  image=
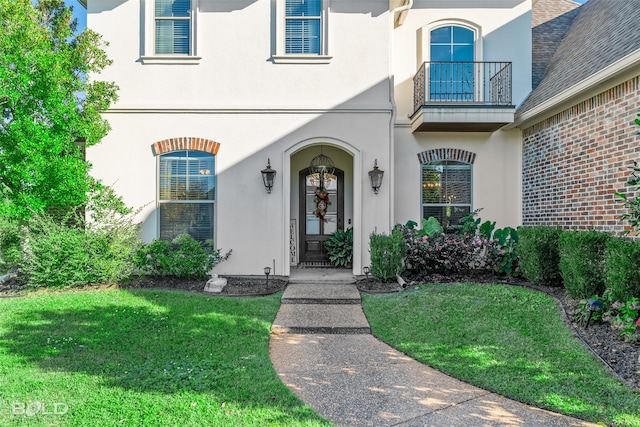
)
(322, 349)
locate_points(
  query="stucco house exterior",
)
(435, 93)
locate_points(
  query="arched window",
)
(452, 56)
(186, 194)
(446, 191)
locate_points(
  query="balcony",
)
(462, 97)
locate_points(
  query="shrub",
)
(56, 255)
(622, 268)
(183, 257)
(538, 254)
(340, 247)
(387, 253)
(429, 250)
(74, 251)
(10, 253)
(632, 204)
(625, 321)
(500, 255)
(582, 262)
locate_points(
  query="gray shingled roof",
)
(551, 22)
(604, 32)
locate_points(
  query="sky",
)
(79, 12)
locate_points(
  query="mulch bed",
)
(622, 358)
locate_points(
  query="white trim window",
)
(186, 194)
(302, 31)
(303, 27)
(172, 27)
(170, 32)
(446, 191)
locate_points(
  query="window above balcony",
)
(454, 91)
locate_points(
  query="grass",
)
(506, 339)
(143, 357)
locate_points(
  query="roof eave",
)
(584, 88)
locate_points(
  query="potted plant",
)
(340, 247)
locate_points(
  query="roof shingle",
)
(603, 32)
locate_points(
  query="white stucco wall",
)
(235, 39)
(257, 109)
(504, 29)
(248, 220)
(497, 178)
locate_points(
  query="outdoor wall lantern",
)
(268, 176)
(267, 271)
(375, 176)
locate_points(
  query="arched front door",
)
(321, 212)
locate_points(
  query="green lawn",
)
(141, 358)
(506, 339)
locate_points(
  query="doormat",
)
(316, 264)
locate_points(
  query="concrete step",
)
(330, 293)
(321, 275)
(320, 319)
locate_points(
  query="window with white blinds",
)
(446, 191)
(303, 27)
(186, 193)
(173, 27)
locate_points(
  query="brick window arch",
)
(185, 143)
(446, 184)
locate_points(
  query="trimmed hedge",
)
(623, 272)
(582, 262)
(539, 256)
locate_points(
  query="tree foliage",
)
(48, 103)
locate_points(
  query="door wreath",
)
(322, 203)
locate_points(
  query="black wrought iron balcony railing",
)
(466, 83)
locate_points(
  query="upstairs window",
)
(173, 27)
(452, 51)
(303, 27)
(187, 194)
(446, 191)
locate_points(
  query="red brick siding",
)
(185, 143)
(574, 162)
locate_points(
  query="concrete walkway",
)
(322, 349)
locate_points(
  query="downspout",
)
(392, 100)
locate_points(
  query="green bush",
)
(582, 262)
(623, 272)
(538, 254)
(429, 250)
(183, 257)
(56, 255)
(80, 250)
(340, 247)
(10, 253)
(387, 253)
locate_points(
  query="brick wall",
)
(574, 162)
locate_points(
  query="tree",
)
(48, 104)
